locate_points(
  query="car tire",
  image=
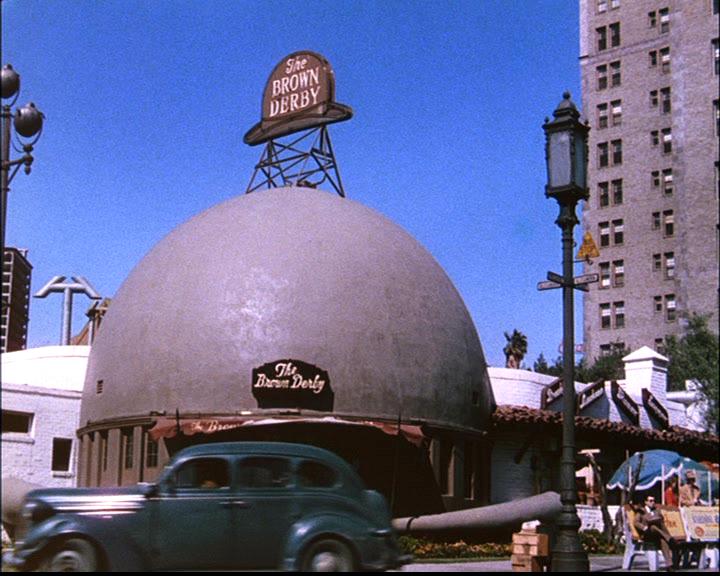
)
(328, 555)
(73, 555)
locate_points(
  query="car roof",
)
(274, 448)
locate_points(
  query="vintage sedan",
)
(239, 505)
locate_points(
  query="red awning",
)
(168, 427)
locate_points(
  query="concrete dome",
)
(289, 273)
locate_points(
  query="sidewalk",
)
(597, 564)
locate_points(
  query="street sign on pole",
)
(548, 285)
(555, 278)
(585, 279)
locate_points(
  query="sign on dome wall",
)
(292, 384)
(300, 94)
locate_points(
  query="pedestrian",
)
(671, 493)
(651, 527)
(689, 492)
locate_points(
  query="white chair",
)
(634, 546)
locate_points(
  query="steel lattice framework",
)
(294, 163)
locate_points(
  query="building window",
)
(601, 35)
(658, 304)
(667, 182)
(616, 152)
(61, 454)
(615, 34)
(618, 232)
(104, 450)
(667, 140)
(602, 112)
(603, 155)
(652, 19)
(605, 316)
(603, 194)
(654, 98)
(605, 275)
(127, 448)
(670, 311)
(617, 192)
(614, 4)
(604, 234)
(99, 386)
(602, 6)
(618, 273)
(602, 76)
(656, 220)
(616, 108)
(665, 100)
(615, 79)
(619, 314)
(655, 137)
(16, 422)
(655, 178)
(716, 113)
(716, 6)
(668, 223)
(665, 59)
(151, 452)
(669, 264)
(664, 14)
(716, 55)
(653, 54)
(660, 345)
(657, 262)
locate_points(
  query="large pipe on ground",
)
(545, 506)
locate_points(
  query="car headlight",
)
(35, 511)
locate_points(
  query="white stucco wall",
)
(46, 382)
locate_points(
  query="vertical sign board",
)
(590, 394)
(550, 393)
(625, 404)
(656, 410)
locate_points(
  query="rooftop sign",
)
(299, 94)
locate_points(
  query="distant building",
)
(41, 391)
(17, 271)
(650, 73)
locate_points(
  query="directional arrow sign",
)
(548, 285)
(555, 277)
(586, 279)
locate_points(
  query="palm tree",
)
(515, 349)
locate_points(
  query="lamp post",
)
(28, 122)
(566, 155)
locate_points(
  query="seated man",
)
(651, 527)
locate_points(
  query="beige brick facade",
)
(649, 82)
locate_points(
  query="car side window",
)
(263, 472)
(203, 473)
(316, 475)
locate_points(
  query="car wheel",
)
(328, 556)
(73, 555)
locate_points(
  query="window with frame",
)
(667, 182)
(616, 110)
(716, 7)
(670, 309)
(655, 178)
(617, 191)
(16, 422)
(618, 273)
(657, 262)
(603, 155)
(653, 58)
(618, 232)
(614, 4)
(668, 223)
(604, 228)
(615, 34)
(128, 447)
(669, 265)
(615, 75)
(616, 152)
(716, 55)
(605, 316)
(601, 37)
(619, 314)
(664, 14)
(104, 450)
(602, 6)
(658, 304)
(602, 76)
(716, 113)
(62, 447)
(665, 100)
(602, 115)
(660, 345)
(656, 220)
(667, 140)
(655, 137)
(652, 19)
(605, 281)
(603, 194)
(654, 99)
(665, 59)
(152, 452)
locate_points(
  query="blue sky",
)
(146, 103)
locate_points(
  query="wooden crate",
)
(525, 563)
(531, 544)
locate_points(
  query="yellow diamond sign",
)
(588, 249)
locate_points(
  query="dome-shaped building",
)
(292, 314)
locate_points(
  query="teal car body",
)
(243, 505)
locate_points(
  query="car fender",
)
(116, 549)
(353, 530)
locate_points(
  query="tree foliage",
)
(515, 349)
(609, 367)
(694, 357)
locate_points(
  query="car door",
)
(265, 510)
(192, 519)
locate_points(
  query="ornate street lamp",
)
(28, 122)
(566, 155)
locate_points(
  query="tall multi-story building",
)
(15, 300)
(650, 71)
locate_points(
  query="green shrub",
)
(423, 549)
